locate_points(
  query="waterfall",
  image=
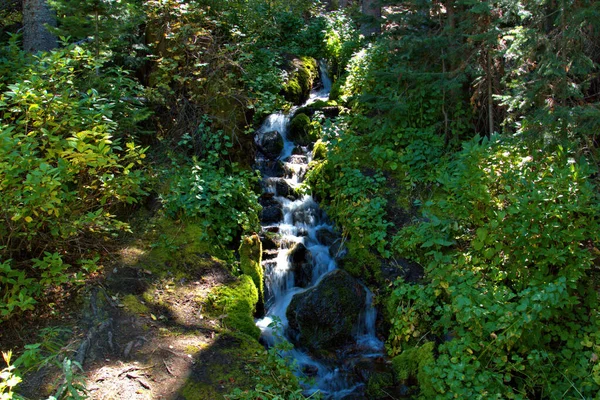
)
(301, 220)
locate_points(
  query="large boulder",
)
(301, 262)
(323, 317)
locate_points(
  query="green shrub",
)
(507, 258)
(221, 198)
(65, 167)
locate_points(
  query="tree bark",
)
(36, 15)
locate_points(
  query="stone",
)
(283, 188)
(272, 143)
(323, 317)
(272, 211)
(301, 131)
(326, 236)
(269, 242)
(301, 262)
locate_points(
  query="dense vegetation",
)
(466, 148)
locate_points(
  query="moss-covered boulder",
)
(303, 71)
(250, 264)
(237, 302)
(323, 318)
(302, 131)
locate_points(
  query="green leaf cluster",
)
(67, 162)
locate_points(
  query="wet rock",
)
(272, 143)
(323, 317)
(269, 254)
(271, 229)
(306, 215)
(269, 242)
(285, 189)
(326, 236)
(310, 370)
(338, 250)
(272, 210)
(297, 159)
(301, 262)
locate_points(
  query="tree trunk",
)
(36, 14)
(372, 10)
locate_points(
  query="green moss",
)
(234, 362)
(302, 131)
(361, 261)
(134, 305)
(199, 391)
(250, 263)
(411, 364)
(300, 81)
(377, 384)
(319, 151)
(237, 301)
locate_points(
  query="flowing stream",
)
(300, 222)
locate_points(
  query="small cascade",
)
(303, 255)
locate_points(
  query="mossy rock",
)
(300, 81)
(236, 303)
(134, 305)
(377, 385)
(410, 365)
(302, 131)
(250, 264)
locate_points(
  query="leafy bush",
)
(63, 168)
(215, 192)
(508, 263)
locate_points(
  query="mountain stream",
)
(300, 222)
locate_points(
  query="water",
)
(302, 219)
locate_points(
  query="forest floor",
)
(150, 325)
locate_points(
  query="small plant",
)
(8, 378)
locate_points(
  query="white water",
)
(302, 218)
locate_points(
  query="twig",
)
(392, 397)
(131, 369)
(168, 369)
